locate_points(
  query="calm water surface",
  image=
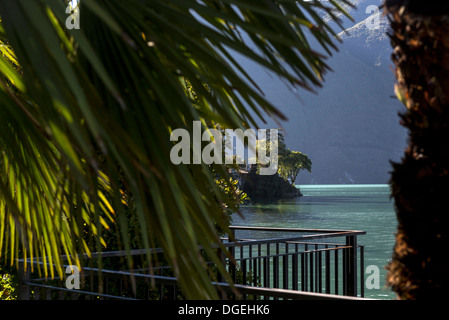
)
(350, 207)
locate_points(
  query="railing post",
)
(351, 266)
(336, 270)
(220, 277)
(232, 264)
(362, 272)
(327, 269)
(266, 275)
(276, 271)
(295, 269)
(222, 255)
(232, 235)
(23, 276)
(232, 260)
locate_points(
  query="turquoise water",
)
(350, 207)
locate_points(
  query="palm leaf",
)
(87, 115)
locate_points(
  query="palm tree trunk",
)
(420, 183)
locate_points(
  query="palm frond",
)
(87, 114)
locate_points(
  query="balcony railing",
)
(265, 263)
(312, 260)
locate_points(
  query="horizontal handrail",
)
(283, 240)
(277, 229)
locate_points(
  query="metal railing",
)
(313, 260)
(294, 264)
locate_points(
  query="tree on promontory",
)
(290, 162)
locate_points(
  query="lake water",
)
(349, 207)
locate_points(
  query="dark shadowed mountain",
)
(349, 128)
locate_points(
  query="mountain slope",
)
(350, 127)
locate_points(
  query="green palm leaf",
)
(87, 115)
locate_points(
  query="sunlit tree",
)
(292, 163)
